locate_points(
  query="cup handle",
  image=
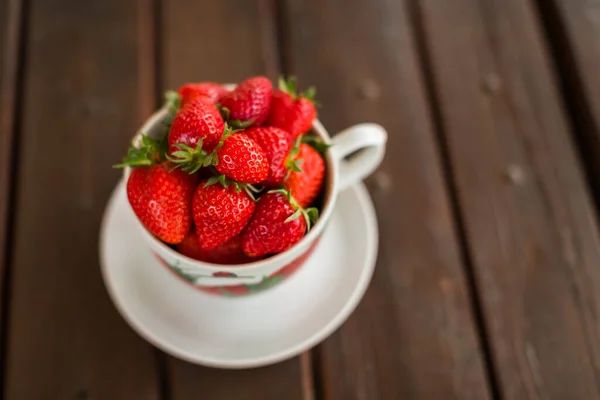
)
(368, 141)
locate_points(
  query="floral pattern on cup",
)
(239, 290)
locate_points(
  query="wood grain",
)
(80, 109)
(191, 52)
(531, 230)
(413, 336)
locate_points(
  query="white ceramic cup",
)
(365, 142)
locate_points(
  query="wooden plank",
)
(245, 47)
(201, 42)
(80, 109)
(532, 232)
(574, 28)
(413, 336)
(279, 381)
(10, 23)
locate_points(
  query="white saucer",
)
(241, 332)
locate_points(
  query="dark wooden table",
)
(487, 284)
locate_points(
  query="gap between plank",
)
(311, 362)
(162, 371)
(11, 105)
(149, 84)
(572, 93)
(426, 66)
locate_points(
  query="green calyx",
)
(172, 102)
(173, 105)
(316, 143)
(227, 182)
(289, 86)
(236, 123)
(191, 160)
(227, 132)
(149, 152)
(311, 214)
(291, 163)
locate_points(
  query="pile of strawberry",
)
(233, 176)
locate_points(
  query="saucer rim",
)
(367, 208)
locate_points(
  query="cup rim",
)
(315, 231)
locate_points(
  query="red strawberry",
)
(162, 199)
(306, 184)
(291, 112)
(220, 213)
(276, 144)
(229, 252)
(210, 90)
(198, 120)
(242, 159)
(276, 225)
(249, 102)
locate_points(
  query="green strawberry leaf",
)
(287, 85)
(189, 159)
(290, 87)
(162, 146)
(291, 163)
(294, 152)
(135, 158)
(294, 216)
(313, 214)
(148, 153)
(236, 123)
(211, 181)
(294, 165)
(254, 189)
(208, 161)
(167, 122)
(309, 93)
(316, 143)
(225, 113)
(284, 192)
(221, 179)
